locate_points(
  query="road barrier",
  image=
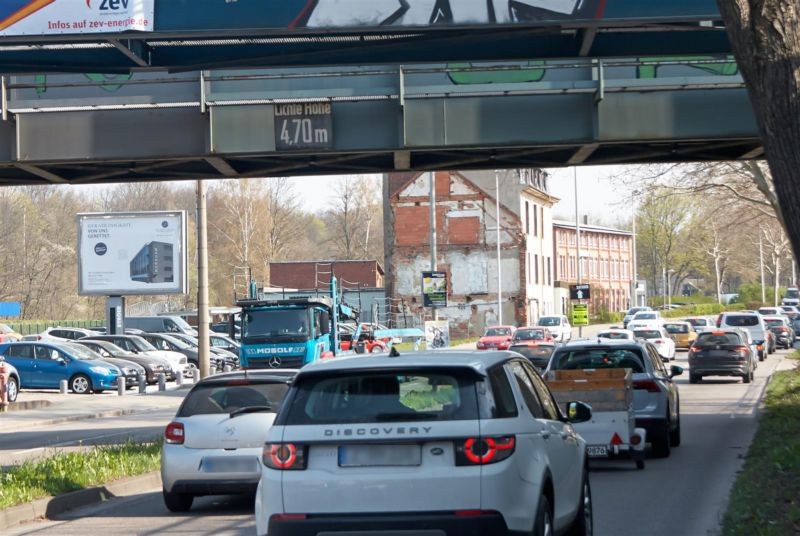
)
(121, 385)
(162, 382)
(62, 387)
(142, 384)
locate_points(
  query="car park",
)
(656, 400)
(632, 311)
(724, 352)
(682, 333)
(753, 323)
(782, 330)
(153, 366)
(558, 325)
(43, 364)
(165, 341)
(63, 334)
(8, 334)
(137, 345)
(12, 380)
(214, 444)
(615, 334)
(424, 443)
(537, 352)
(228, 358)
(532, 334)
(496, 338)
(660, 339)
(160, 324)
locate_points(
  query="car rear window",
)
(367, 396)
(741, 320)
(538, 352)
(773, 322)
(614, 335)
(216, 398)
(676, 328)
(529, 335)
(496, 332)
(713, 339)
(647, 333)
(598, 358)
(646, 316)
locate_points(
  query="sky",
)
(604, 202)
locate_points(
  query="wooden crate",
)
(603, 389)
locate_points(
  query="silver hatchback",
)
(213, 446)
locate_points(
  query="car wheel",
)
(761, 356)
(12, 389)
(747, 377)
(543, 526)
(376, 349)
(661, 442)
(80, 384)
(177, 502)
(675, 435)
(583, 525)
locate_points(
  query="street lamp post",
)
(669, 286)
(499, 271)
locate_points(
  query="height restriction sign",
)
(579, 292)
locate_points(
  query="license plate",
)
(230, 464)
(596, 451)
(379, 455)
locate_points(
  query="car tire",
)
(583, 523)
(661, 443)
(675, 435)
(177, 502)
(747, 377)
(12, 389)
(376, 349)
(543, 524)
(80, 384)
(761, 356)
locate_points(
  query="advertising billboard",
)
(434, 289)
(125, 253)
(55, 17)
(437, 334)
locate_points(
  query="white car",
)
(616, 334)
(61, 334)
(701, 323)
(660, 339)
(398, 445)
(558, 325)
(213, 445)
(644, 319)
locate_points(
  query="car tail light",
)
(696, 349)
(284, 456)
(288, 517)
(743, 351)
(648, 385)
(484, 450)
(658, 341)
(174, 433)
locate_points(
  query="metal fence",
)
(38, 326)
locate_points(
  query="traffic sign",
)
(580, 314)
(579, 292)
(306, 125)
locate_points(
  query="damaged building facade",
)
(466, 230)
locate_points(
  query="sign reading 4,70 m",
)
(303, 125)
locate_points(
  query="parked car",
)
(660, 339)
(656, 401)
(7, 334)
(496, 338)
(537, 352)
(130, 370)
(214, 444)
(781, 328)
(362, 446)
(228, 358)
(645, 319)
(153, 366)
(43, 364)
(64, 334)
(160, 324)
(753, 323)
(165, 341)
(682, 333)
(137, 345)
(616, 334)
(701, 323)
(632, 311)
(532, 334)
(724, 352)
(12, 381)
(223, 342)
(558, 325)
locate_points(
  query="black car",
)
(153, 366)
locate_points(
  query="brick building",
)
(606, 264)
(317, 274)
(466, 223)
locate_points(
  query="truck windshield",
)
(276, 325)
(792, 294)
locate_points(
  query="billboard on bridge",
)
(55, 17)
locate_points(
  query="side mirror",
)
(61, 361)
(578, 412)
(675, 370)
(325, 322)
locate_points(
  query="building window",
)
(541, 220)
(527, 266)
(535, 222)
(549, 273)
(536, 269)
(527, 218)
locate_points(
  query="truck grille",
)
(285, 362)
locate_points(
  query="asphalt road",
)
(682, 495)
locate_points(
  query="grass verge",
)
(765, 500)
(72, 471)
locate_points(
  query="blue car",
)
(42, 365)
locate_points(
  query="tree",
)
(765, 38)
(356, 215)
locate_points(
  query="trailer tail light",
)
(174, 433)
(484, 450)
(636, 439)
(284, 456)
(647, 385)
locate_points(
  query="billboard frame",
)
(180, 257)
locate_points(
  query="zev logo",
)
(109, 5)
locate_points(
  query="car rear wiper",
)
(249, 409)
(410, 416)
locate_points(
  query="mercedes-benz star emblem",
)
(275, 362)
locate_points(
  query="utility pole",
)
(577, 235)
(432, 202)
(499, 270)
(635, 279)
(202, 281)
(664, 284)
(761, 262)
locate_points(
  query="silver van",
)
(753, 323)
(160, 324)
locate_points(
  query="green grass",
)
(765, 500)
(63, 472)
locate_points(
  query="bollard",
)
(142, 384)
(179, 378)
(227, 368)
(62, 387)
(162, 382)
(196, 375)
(121, 385)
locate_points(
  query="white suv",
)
(455, 443)
(559, 327)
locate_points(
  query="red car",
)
(533, 334)
(496, 338)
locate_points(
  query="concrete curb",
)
(69, 418)
(53, 507)
(29, 404)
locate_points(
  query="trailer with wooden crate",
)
(612, 430)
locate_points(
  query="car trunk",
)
(220, 431)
